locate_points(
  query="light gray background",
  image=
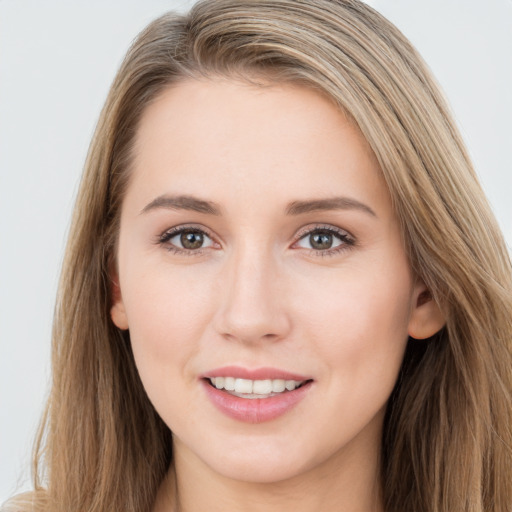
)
(57, 59)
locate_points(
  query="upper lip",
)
(264, 373)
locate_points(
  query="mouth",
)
(254, 389)
(255, 396)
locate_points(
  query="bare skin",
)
(257, 232)
(318, 490)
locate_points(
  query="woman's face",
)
(259, 251)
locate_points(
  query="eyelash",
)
(166, 236)
(347, 240)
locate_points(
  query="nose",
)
(253, 306)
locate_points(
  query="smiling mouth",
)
(251, 389)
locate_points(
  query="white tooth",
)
(212, 380)
(219, 382)
(229, 383)
(251, 396)
(290, 385)
(243, 386)
(262, 387)
(278, 385)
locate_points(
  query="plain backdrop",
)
(57, 59)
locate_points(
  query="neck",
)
(348, 482)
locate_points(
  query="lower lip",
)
(255, 410)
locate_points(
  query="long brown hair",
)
(447, 441)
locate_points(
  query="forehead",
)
(226, 137)
(238, 107)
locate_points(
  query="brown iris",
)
(321, 240)
(191, 239)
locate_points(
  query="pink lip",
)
(256, 410)
(255, 374)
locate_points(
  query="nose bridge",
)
(253, 305)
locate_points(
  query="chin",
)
(260, 460)
(259, 471)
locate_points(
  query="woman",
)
(283, 286)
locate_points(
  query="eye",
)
(325, 240)
(185, 239)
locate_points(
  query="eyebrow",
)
(183, 203)
(333, 203)
(191, 203)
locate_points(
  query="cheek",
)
(359, 320)
(167, 313)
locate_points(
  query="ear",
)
(117, 310)
(426, 318)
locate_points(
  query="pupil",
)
(191, 239)
(321, 240)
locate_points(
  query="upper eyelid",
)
(306, 230)
(164, 239)
(165, 236)
(184, 227)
